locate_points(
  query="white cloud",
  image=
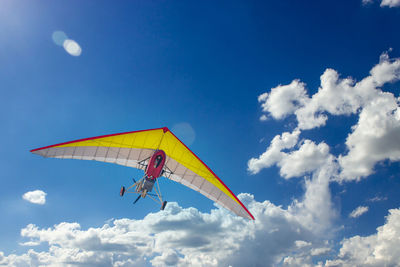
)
(390, 3)
(305, 256)
(366, 2)
(30, 243)
(384, 3)
(306, 159)
(263, 117)
(320, 251)
(274, 153)
(380, 249)
(175, 236)
(72, 47)
(316, 210)
(358, 211)
(374, 138)
(36, 197)
(302, 243)
(283, 100)
(168, 258)
(386, 71)
(377, 199)
(335, 96)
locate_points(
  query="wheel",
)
(163, 205)
(122, 192)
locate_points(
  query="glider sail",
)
(133, 149)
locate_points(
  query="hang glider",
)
(159, 153)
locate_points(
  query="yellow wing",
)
(133, 149)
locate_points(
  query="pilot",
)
(158, 160)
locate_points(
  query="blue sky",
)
(216, 68)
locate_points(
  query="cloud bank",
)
(188, 237)
(175, 236)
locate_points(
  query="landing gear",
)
(144, 193)
(122, 192)
(143, 188)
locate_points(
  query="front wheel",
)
(122, 192)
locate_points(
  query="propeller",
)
(134, 181)
(137, 199)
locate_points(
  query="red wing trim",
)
(214, 175)
(96, 137)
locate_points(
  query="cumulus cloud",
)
(187, 237)
(305, 256)
(176, 236)
(358, 211)
(335, 96)
(375, 136)
(306, 159)
(284, 99)
(373, 139)
(36, 197)
(315, 209)
(274, 153)
(380, 249)
(168, 258)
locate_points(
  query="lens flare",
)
(59, 37)
(72, 47)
